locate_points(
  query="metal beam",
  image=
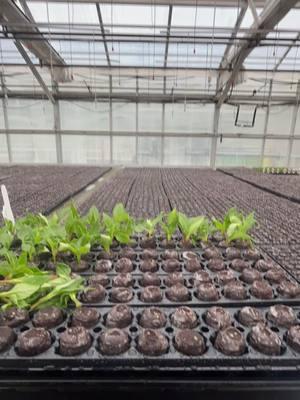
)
(26, 10)
(34, 71)
(57, 126)
(213, 148)
(207, 3)
(277, 65)
(273, 12)
(162, 139)
(167, 43)
(110, 120)
(42, 49)
(266, 124)
(244, 98)
(293, 125)
(254, 12)
(234, 32)
(230, 44)
(103, 33)
(147, 134)
(6, 122)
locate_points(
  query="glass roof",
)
(138, 36)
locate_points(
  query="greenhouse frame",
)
(193, 83)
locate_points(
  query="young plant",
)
(92, 222)
(62, 289)
(148, 225)
(44, 289)
(75, 225)
(14, 267)
(31, 239)
(239, 230)
(206, 229)
(230, 217)
(78, 247)
(169, 224)
(119, 226)
(6, 240)
(52, 235)
(189, 227)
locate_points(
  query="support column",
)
(213, 149)
(57, 128)
(266, 124)
(6, 122)
(162, 144)
(136, 122)
(110, 121)
(57, 125)
(293, 125)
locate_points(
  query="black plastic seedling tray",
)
(132, 360)
(212, 365)
(193, 300)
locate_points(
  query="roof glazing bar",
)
(103, 34)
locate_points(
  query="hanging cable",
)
(112, 25)
(294, 66)
(211, 49)
(195, 24)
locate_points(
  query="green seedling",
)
(78, 247)
(189, 227)
(148, 225)
(169, 224)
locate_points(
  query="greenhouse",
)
(150, 197)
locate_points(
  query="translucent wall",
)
(30, 114)
(33, 148)
(150, 117)
(140, 135)
(124, 150)
(124, 116)
(3, 149)
(186, 151)
(86, 149)
(149, 151)
(295, 155)
(189, 118)
(280, 119)
(228, 116)
(239, 152)
(2, 126)
(276, 153)
(297, 126)
(83, 115)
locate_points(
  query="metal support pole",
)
(162, 143)
(253, 11)
(266, 124)
(213, 149)
(34, 71)
(293, 125)
(103, 34)
(136, 122)
(110, 121)
(6, 122)
(57, 128)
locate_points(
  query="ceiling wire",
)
(112, 25)
(154, 27)
(294, 67)
(195, 24)
(212, 44)
(119, 71)
(69, 21)
(94, 70)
